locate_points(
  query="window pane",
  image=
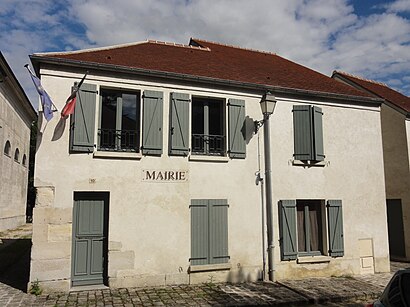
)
(129, 112)
(216, 131)
(130, 121)
(315, 227)
(108, 119)
(109, 110)
(215, 117)
(198, 128)
(301, 228)
(197, 116)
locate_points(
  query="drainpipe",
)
(259, 179)
(268, 190)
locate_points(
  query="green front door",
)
(89, 238)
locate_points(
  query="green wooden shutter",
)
(199, 232)
(319, 154)
(302, 128)
(335, 223)
(152, 123)
(218, 231)
(83, 119)
(287, 229)
(179, 124)
(236, 133)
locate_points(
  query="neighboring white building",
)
(152, 180)
(395, 121)
(16, 116)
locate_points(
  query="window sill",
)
(310, 163)
(117, 155)
(313, 259)
(208, 158)
(210, 267)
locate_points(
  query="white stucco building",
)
(395, 122)
(152, 180)
(16, 116)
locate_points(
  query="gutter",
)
(278, 90)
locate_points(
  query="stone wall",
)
(15, 128)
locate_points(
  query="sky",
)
(366, 38)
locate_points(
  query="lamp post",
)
(268, 103)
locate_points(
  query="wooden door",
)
(89, 252)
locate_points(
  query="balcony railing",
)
(210, 145)
(118, 140)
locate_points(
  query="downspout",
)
(258, 180)
(268, 189)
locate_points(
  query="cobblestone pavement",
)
(329, 291)
(249, 294)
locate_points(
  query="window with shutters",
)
(120, 121)
(210, 134)
(209, 231)
(208, 126)
(308, 133)
(122, 126)
(302, 228)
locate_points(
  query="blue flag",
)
(46, 102)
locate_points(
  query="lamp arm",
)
(258, 124)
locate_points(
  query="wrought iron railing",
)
(211, 145)
(118, 140)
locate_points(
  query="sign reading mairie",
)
(153, 175)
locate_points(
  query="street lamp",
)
(268, 103)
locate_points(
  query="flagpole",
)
(31, 72)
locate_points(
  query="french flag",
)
(71, 100)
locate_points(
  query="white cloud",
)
(321, 34)
(398, 6)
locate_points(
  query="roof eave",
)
(346, 79)
(36, 60)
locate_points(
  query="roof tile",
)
(212, 60)
(379, 89)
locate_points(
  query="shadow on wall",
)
(248, 129)
(15, 262)
(240, 276)
(59, 129)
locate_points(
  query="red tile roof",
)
(379, 90)
(212, 60)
